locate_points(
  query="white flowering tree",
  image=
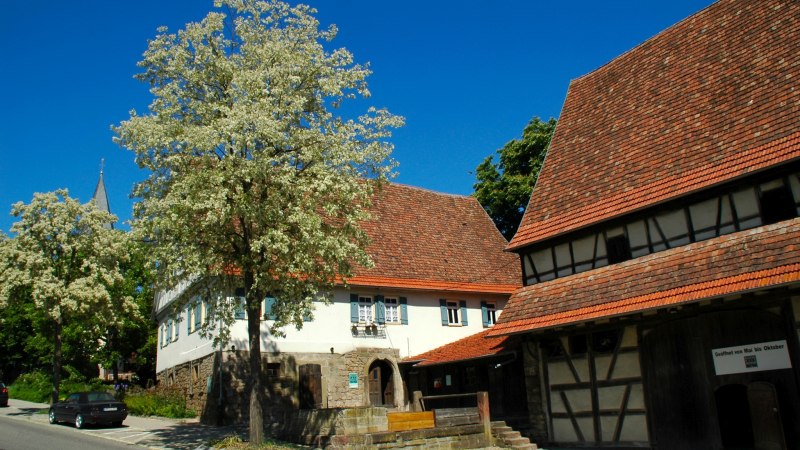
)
(63, 254)
(256, 180)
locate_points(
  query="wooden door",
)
(375, 394)
(766, 417)
(310, 386)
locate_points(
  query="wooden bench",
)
(402, 421)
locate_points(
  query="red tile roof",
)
(422, 239)
(763, 257)
(476, 346)
(711, 99)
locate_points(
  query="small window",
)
(452, 313)
(273, 370)
(195, 372)
(392, 310)
(605, 341)
(777, 204)
(552, 348)
(365, 310)
(619, 249)
(491, 314)
(578, 344)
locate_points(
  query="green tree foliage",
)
(504, 188)
(133, 340)
(256, 179)
(67, 259)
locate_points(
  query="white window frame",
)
(366, 309)
(491, 314)
(391, 307)
(453, 311)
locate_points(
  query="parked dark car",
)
(3, 394)
(84, 408)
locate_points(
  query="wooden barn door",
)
(310, 386)
(767, 426)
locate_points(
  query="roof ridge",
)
(646, 41)
(423, 189)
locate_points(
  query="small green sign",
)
(353, 380)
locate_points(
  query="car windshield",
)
(100, 397)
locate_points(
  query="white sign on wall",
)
(751, 358)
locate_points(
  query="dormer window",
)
(777, 203)
(618, 249)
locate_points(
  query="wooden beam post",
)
(483, 414)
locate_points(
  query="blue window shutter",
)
(169, 331)
(198, 314)
(443, 308)
(463, 305)
(189, 319)
(484, 314)
(380, 310)
(161, 336)
(354, 308)
(403, 310)
(239, 312)
(268, 303)
(307, 316)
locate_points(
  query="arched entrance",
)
(380, 383)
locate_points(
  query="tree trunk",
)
(254, 335)
(56, 363)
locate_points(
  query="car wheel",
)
(79, 423)
(52, 416)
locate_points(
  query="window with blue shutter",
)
(354, 308)
(463, 305)
(484, 315)
(198, 314)
(380, 310)
(239, 311)
(269, 302)
(189, 321)
(403, 310)
(169, 330)
(443, 310)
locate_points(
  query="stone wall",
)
(196, 380)
(280, 378)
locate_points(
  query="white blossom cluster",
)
(255, 178)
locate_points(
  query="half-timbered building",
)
(659, 250)
(440, 274)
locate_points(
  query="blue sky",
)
(467, 75)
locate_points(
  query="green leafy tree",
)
(257, 180)
(504, 188)
(67, 258)
(133, 340)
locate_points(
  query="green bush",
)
(33, 387)
(37, 386)
(153, 403)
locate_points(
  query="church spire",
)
(100, 197)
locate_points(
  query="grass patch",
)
(153, 403)
(236, 443)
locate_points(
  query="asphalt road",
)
(23, 426)
(18, 434)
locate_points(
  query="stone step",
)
(509, 435)
(497, 431)
(527, 446)
(517, 441)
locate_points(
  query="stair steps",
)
(507, 437)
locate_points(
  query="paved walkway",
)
(152, 432)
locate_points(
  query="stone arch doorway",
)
(380, 383)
